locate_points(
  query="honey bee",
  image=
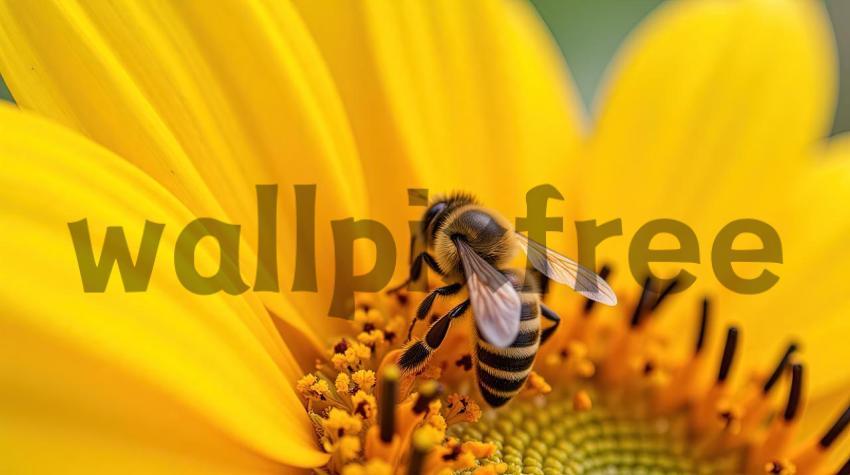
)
(470, 246)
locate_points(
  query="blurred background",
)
(589, 33)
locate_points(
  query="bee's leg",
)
(416, 270)
(420, 351)
(548, 314)
(428, 302)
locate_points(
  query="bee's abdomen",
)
(502, 372)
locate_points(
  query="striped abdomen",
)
(501, 372)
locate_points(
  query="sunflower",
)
(168, 111)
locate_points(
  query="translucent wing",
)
(494, 300)
(566, 271)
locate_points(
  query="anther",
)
(641, 305)
(465, 362)
(341, 346)
(427, 393)
(728, 353)
(836, 429)
(703, 325)
(421, 445)
(671, 286)
(795, 394)
(582, 402)
(778, 467)
(604, 272)
(389, 389)
(780, 368)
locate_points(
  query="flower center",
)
(551, 435)
(618, 402)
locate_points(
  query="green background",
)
(589, 32)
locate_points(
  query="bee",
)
(470, 247)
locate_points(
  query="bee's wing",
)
(494, 300)
(566, 271)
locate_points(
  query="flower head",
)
(152, 115)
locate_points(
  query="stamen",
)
(703, 325)
(781, 433)
(664, 294)
(389, 389)
(582, 401)
(638, 313)
(845, 469)
(758, 404)
(780, 467)
(421, 444)
(796, 392)
(724, 428)
(427, 393)
(783, 363)
(836, 429)
(728, 353)
(604, 272)
(813, 457)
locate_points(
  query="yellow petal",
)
(707, 113)
(67, 411)
(710, 113)
(812, 297)
(177, 94)
(214, 360)
(449, 95)
(208, 101)
(820, 414)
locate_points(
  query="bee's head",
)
(443, 203)
(431, 214)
